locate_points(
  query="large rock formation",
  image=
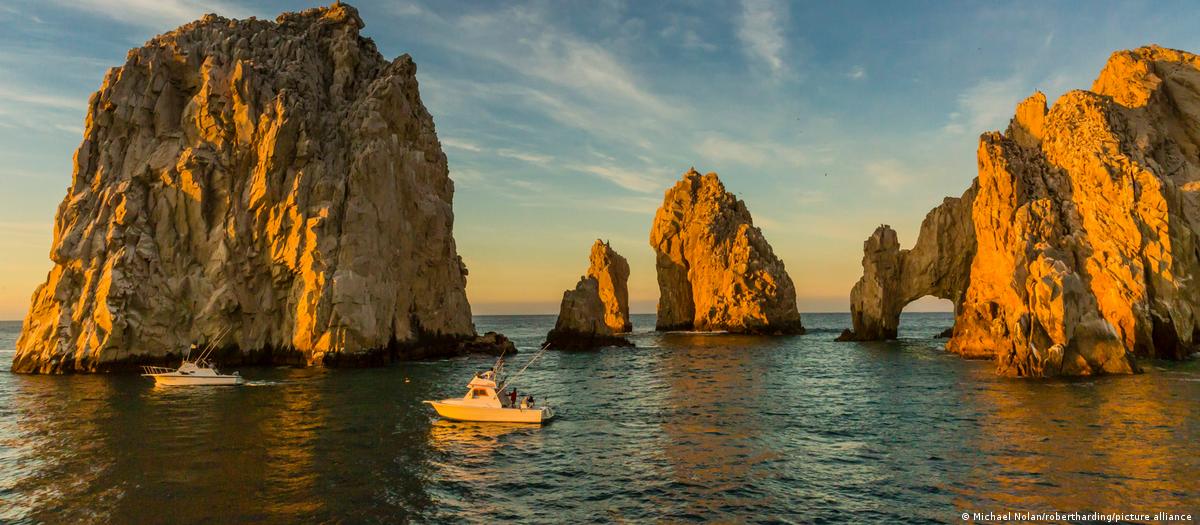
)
(280, 179)
(597, 309)
(1085, 223)
(716, 271)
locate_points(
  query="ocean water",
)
(683, 428)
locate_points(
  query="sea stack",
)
(1084, 219)
(716, 271)
(597, 310)
(279, 180)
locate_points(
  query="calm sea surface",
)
(683, 428)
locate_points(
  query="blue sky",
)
(565, 121)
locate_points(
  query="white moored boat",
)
(486, 401)
(193, 372)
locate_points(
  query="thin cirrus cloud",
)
(466, 145)
(448, 142)
(888, 174)
(543, 53)
(760, 28)
(986, 105)
(157, 15)
(723, 150)
(32, 109)
(633, 180)
(533, 158)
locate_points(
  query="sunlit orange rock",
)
(597, 310)
(279, 179)
(1085, 216)
(716, 271)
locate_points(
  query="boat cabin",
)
(481, 391)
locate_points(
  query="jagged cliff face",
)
(598, 308)
(611, 272)
(715, 269)
(1085, 226)
(279, 178)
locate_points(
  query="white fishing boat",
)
(487, 401)
(197, 372)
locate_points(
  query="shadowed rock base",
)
(565, 340)
(491, 343)
(848, 335)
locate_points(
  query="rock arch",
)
(939, 264)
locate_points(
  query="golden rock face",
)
(715, 269)
(598, 307)
(278, 178)
(611, 272)
(1084, 219)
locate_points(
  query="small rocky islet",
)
(596, 312)
(283, 181)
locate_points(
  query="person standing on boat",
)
(512, 397)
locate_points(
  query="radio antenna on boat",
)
(508, 380)
(213, 343)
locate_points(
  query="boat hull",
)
(181, 380)
(459, 412)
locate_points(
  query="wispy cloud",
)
(810, 197)
(464, 145)
(683, 31)
(524, 41)
(629, 179)
(70, 130)
(760, 28)
(539, 67)
(857, 73)
(35, 108)
(534, 158)
(634, 204)
(155, 14)
(721, 149)
(473, 147)
(528, 185)
(889, 174)
(466, 175)
(40, 98)
(987, 105)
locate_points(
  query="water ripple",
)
(685, 428)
